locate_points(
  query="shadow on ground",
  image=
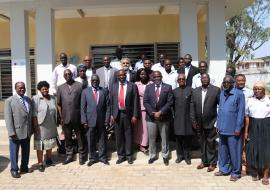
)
(4, 161)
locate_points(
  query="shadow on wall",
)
(4, 161)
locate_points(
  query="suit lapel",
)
(100, 94)
(21, 106)
(208, 93)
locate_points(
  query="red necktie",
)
(121, 97)
(95, 95)
(157, 93)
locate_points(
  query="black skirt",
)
(258, 147)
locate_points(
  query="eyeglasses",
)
(125, 63)
(88, 60)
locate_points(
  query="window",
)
(132, 51)
(6, 87)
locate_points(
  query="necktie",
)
(23, 103)
(121, 97)
(95, 95)
(157, 92)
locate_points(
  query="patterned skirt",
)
(45, 144)
(258, 147)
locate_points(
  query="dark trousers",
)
(207, 140)
(82, 148)
(183, 146)
(14, 146)
(123, 135)
(96, 135)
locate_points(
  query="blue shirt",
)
(231, 112)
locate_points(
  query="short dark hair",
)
(43, 84)
(203, 62)
(18, 83)
(240, 75)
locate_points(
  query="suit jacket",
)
(40, 108)
(182, 121)
(192, 71)
(164, 104)
(93, 113)
(100, 72)
(132, 101)
(132, 76)
(18, 120)
(69, 99)
(207, 118)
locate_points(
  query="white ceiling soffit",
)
(97, 8)
(117, 11)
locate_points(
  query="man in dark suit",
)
(158, 101)
(125, 112)
(182, 123)
(106, 73)
(204, 114)
(130, 74)
(95, 115)
(69, 104)
(18, 118)
(190, 70)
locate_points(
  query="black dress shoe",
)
(151, 160)
(41, 168)
(67, 161)
(49, 162)
(82, 162)
(15, 174)
(166, 161)
(120, 160)
(188, 161)
(178, 160)
(104, 162)
(130, 161)
(91, 162)
(28, 170)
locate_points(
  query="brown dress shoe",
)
(201, 166)
(233, 178)
(211, 168)
(219, 173)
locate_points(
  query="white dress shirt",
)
(138, 65)
(89, 73)
(196, 81)
(58, 75)
(170, 78)
(158, 67)
(258, 108)
(24, 102)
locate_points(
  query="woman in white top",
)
(257, 133)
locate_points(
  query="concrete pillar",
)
(188, 29)
(216, 45)
(20, 47)
(45, 58)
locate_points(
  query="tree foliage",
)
(246, 32)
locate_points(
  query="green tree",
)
(246, 32)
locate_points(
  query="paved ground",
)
(139, 176)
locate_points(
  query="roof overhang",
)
(97, 8)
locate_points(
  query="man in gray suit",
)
(106, 73)
(95, 115)
(69, 104)
(18, 118)
(203, 113)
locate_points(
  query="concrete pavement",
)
(140, 175)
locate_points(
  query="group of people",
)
(141, 104)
